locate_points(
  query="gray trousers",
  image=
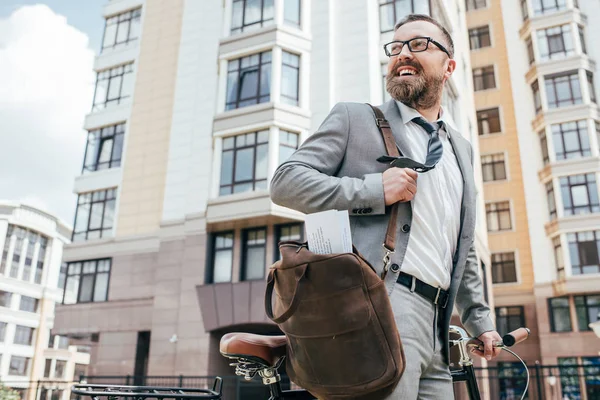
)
(426, 376)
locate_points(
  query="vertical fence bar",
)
(127, 380)
(180, 380)
(539, 380)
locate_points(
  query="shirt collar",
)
(408, 114)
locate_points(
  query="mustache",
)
(407, 63)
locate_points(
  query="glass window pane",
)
(222, 268)
(291, 12)
(244, 166)
(101, 289)
(252, 12)
(265, 80)
(122, 31)
(255, 263)
(262, 158)
(127, 87)
(109, 35)
(87, 288)
(96, 215)
(249, 83)
(386, 17)
(114, 88)
(81, 220)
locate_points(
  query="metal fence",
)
(504, 382)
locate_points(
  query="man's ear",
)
(450, 67)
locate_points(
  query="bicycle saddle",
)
(266, 350)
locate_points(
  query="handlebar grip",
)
(516, 336)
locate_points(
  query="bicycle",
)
(263, 355)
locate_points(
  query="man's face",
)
(421, 88)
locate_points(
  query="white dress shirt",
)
(435, 208)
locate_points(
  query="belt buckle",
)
(437, 297)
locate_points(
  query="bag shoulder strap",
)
(390, 145)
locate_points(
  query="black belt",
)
(436, 295)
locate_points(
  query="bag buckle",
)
(437, 297)
(386, 261)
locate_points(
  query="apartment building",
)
(32, 242)
(535, 77)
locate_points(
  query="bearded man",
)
(434, 266)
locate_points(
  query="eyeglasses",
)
(415, 45)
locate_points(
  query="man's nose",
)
(405, 52)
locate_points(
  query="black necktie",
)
(434, 149)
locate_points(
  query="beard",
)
(419, 92)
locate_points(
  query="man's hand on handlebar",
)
(489, 339)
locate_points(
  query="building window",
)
(222, 258)
(498, 216)
(558, 258)
(484, 78)
(290, 78)
(28, 304)
(80, 371)
(254, 262)
(5, 298)
(94, 215)
(288, 144)
(113, 86)
(582, 39)
(551, 200)
(7, 239)
(530, 53)
(488, 121)
(579, 194)
(563, 89)
(537, 99)
(504, 269)
(20, 234)
(251, 14)
(23, 335)
(571, 140)
(560, 315)
(87, 281)
(475, 4)
(590, 80)
(287, 232)
(591, 370)
(544, 145)
(59, 369)
(555, 42)
(392, 11)
(548, 6)
(47, 368)
(104, 148)
(19, 366)
(122, 29)
(249, 80)
(39, 268)
(569, 377)
(244, 163)
(2, 331)
(493, 167)
(509, 318)
(583, 252)
(512, 379)
(32, 238)
(479, 37)
(292, 11)
(588, 310)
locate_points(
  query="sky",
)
(47, 51)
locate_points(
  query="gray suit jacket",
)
(337, 168)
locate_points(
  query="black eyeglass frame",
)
(407, 42)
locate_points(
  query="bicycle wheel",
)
(116, 392)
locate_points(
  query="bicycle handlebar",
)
(515, 337)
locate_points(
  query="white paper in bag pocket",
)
(328, 232)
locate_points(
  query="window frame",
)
(490, 115)
(503, 260)
(543, 11)
(235, 150)
(568, 183)
(116, 133)
(545, 37)
(493, 161)
(477, 35)
(211, 257)
(586, 307)
(245, 247)
(112, 73)
(480, 74)
(551, 310)
(509, 327)
(278, 233)
(81, 201)
(493, 208)
(396, 18)
(80, 276)
(471, 5)
(244, 27)
(20, 333)
(131, 15)
(574, 243)
(27, 361)
(551, 83)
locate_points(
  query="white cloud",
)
(46, 89)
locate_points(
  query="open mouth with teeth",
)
(407, 71)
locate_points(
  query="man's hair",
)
(427, 18)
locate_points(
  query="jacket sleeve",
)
(472, 308)
(307, 182)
